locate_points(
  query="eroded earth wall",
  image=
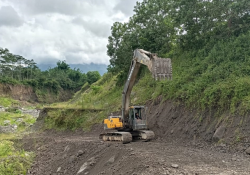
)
(173, 120)
(18, 92)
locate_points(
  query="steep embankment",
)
(167, 118)
(170, 120)
(29, 94)
(18, 92)
(182, 145)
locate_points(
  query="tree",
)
(17, 69)
(150, 29)
(62, 65)
(93, 76)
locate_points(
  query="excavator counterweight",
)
(133, 121)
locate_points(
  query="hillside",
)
(188, 141)
(200, 118)
(173, 107)
(21, 79)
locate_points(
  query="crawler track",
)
(127, 137)
(124, 137)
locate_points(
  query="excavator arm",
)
(129, 128)
(160, 69)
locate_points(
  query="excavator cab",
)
(137, 118)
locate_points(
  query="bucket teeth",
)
(162, 68)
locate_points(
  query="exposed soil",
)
(68, 153)
(183, 145)
(174, 121)
(18, 92)
(27, 94)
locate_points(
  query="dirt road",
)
(78, 153)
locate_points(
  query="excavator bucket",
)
(161, 68)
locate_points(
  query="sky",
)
(50, 30)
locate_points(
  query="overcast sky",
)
(50, 30)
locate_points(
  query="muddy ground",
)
(183, 145)
(83, 153)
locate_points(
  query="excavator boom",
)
(160, 68)
(132, 124)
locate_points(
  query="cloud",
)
(126, 6)
(98, 28)
(66, 7)
(9, 17)
(50, 30)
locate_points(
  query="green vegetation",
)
(13, 160)
(93, 76)
(7, 102)
(208, 42)
(72, 119)
(15, 69)
(103, 96)
(16, 118)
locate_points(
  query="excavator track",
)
(124, 137)
(127, 137)
(145, 135)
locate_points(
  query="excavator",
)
(132, 124)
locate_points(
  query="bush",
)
(13, 161)
(96, 89)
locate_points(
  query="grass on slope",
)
(217, 78)
(7, 102)
(104, 95)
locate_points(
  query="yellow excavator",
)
(132, 124)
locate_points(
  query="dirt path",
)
(86, 154)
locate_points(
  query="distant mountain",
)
(101, 68)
